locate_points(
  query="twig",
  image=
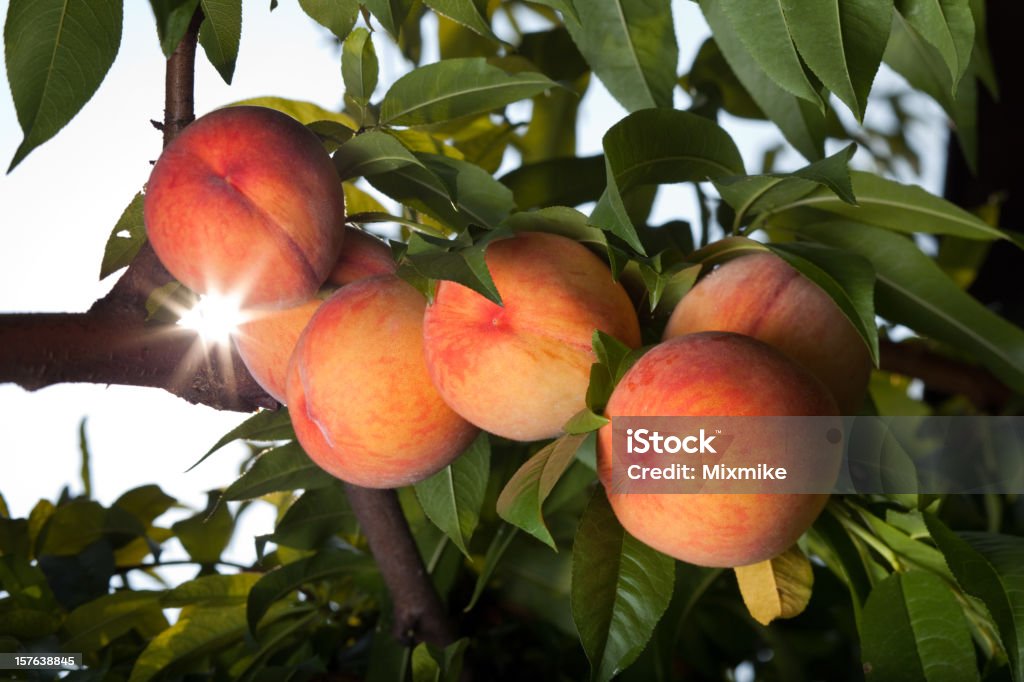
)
(418, 612)
(943, 374)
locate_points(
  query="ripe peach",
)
(714, 374)
(521, 370)
(360, 398)
(245, 202)
(763, 296)
(266, 339)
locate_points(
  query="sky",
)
(58, 207)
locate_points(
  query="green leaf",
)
(911, 289)
(801, 122)
(205, 535)
(948, 26)
(431, 664)
(910, 55)
(283, 468)
(303, 112)
(620, 589)
(125, 240)
(359, 67)
(464, 12)
(452, 498)
(766, 33)
(314, 518)
(499, 544)
(220, 33)
(390, 13)
(847, 278)
(57, 54)
(779, 587)
(914, 629)
(99, 622)
(337, 16)
(466, 266)
(895, 206)
(522, 499)
(198, 632)
(264, 426)
(631, 46)
(282, 581)
(990, 567)
(711, 78)
(751, 195)
(562, 220)
(454, 88)
(585, 421)
(557, 182)
(483, 201)
(841, 42)
(145, 503)
(372, 153)
(212, 591)
(172, 20)
(660, 146)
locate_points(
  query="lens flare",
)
(214, 317)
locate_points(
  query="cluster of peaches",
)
(384, 390)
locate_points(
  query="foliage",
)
(898, 593)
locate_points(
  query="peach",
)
(714, 374)
(246, 203)
(520, 370)
(266, 339)
(360, 398)
(764, 297)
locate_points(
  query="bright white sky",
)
(59, 205)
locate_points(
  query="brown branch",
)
(943, 374)
(418, 612)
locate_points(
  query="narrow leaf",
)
(779, 587)
(371, 153)
(220, 33)
(99, 622)
(314, 518)
(337, 16)
(454, 88)
(205, 535)
(631, 46)
(212, 590)
(198, 631)
(620, 589)
(284, 468)
(172, 20)
(359, 68)
(264, 426)
(390, 13)
(452, 498)
(125, 240)
(948, 26)
(57, 54)
(521, 500)
(464, 12)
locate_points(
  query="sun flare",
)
(214, 317)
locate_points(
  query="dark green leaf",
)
(912, 290)
(101, 621)
(337, 16)
(631, 46)
(910, 55)
(557, 182)
(754, 194)
(800, 121)
(125, 240)
(948, 26)
(359, 68)
(499, 543)
(913, 630)
(452, 498)
(620, 589)
(847, 278)
(264, 426)
(841, 42)
(767, 35)
(990, 567)
(282, 581)
(57, 54)
(205, 535)
(466, 266)
(284, 468)
(562, 220)
(172, 20)
(430, 664)
(484, 201)
(464, 12)
(521, 501)
(220, 34)
(314, 518)
(212, 591)
(390, 13)
(712, 79)
(894, 206)
(454, 88)
(372, 153)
